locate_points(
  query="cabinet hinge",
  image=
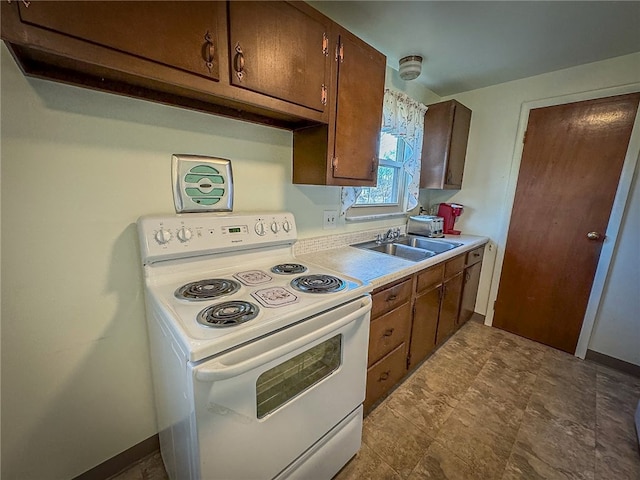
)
(325, 44)
(373, 165)
(26, 3)
(408, 360)
(339, 52)
(323, 94)
(334, 163)
(524, 137)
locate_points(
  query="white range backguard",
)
(278, 396)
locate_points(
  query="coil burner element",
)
(289, 268)
(207, 289)
(228, 314)
(318, 284)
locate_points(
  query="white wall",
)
(78, 168)
(617, 329)
(490, 156)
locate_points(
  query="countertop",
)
(378, 269)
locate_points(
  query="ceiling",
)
(472, 44)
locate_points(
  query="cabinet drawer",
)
(388, 331)
(390, 298)
(475, 256)
(383, 375)
(454, 266)
(429, 278)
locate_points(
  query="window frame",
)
(367, 211)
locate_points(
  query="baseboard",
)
(614, 363)
(122, 460)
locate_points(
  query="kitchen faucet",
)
(392, 234)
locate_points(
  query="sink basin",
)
(436, 246)
(411, 247)
(398, 250)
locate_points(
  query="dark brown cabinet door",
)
(469, 292)
(358, 117)
(444, 148)
(452, 291)
(425, 321)
(177, 34)
(279, 50)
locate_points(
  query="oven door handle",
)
(217, 369)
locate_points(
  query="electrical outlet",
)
(330, 219)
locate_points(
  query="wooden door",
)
(571, 164)
(177, 34)
(358, 118)
(279, 50)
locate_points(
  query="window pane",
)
(387, 190)
(388, 147)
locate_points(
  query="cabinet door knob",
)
(593, 236)
(392, 297)
(384, 376)
(388, 332)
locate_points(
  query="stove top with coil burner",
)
(233, 281)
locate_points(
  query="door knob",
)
(593, 236)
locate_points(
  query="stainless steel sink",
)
(398, 250)
(411, 247)
(431, 244)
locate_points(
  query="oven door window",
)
(280, 384)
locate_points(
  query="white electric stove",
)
(247, 345)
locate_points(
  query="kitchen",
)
(77, 391)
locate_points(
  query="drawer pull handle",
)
(388, 332)
(238, 62)
(208, 50)
(392, 297)
(384, 376)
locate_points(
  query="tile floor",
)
(491, 405)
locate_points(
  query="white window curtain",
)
(404, 117)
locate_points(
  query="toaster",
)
(426, 225)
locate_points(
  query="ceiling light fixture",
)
(410, 67)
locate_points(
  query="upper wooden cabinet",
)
(278, 63)
(183, 53)
(189, 41)
(345, 152)
(280, 49)
(446, 131)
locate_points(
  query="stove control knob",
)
(275, 228)
(163, 236)
(286, 226)
(184, 234)
(260, 228)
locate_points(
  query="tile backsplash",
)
(316, 244)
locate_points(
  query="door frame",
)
(617, 211)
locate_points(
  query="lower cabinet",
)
(426, 309)
(471, 281)
(388, 338)
(413, 316)
(451, 294)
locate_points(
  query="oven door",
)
(260, 407)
